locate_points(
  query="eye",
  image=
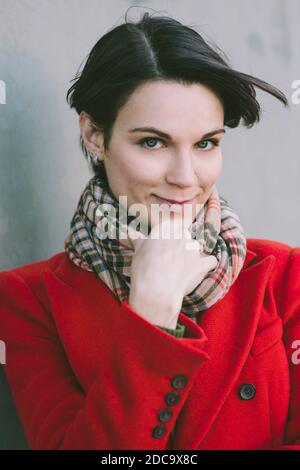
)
(214, 143)
(149, 139)
(153, 140)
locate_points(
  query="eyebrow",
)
(166, 136)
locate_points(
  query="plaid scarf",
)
(216, 227)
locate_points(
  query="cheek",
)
(145, 170)
(210, 170)
(132, 167)
(218, 168)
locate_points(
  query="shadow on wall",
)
(11, 432)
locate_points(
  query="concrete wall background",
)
(42, 170)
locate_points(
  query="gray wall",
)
(42, 171)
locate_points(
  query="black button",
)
(165, 415)
(159, 431)
(179, 381)
(172, 398)
(247, 391)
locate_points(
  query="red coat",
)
(88, 373)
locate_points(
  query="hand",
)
(163, 271)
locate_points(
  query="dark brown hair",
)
(159, 48)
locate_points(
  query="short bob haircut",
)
(158, 48)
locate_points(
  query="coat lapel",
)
(84, 311)
(230, 327)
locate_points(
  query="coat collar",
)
(229, 326)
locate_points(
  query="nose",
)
(181, 171)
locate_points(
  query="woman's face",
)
(144, 165)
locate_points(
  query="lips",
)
(172, 201)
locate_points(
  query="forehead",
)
(170, 105)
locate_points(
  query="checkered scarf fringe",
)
(111, 259)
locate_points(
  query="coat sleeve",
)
(122, 408)
(290, 311)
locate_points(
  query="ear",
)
(92, 136)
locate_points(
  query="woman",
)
(147, 341)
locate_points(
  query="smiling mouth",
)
(170, 201)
